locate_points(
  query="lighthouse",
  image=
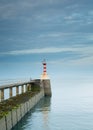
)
(44, 75)
(45, 81)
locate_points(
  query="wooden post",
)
(26, 87)
(2, 94)
(29, 87)
(22, 89)
(10, 92)
(17, 90)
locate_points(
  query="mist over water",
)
(70, 108)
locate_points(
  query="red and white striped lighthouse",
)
(44, 66)
(44, 75)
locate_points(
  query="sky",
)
(60, 31)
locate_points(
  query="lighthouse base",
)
(47, 87)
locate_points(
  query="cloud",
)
(9, 10)
(15, 8)
(81, 61)
(84, 50)
(37, 51)
(78, 55)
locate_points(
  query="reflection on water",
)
(39, 113)
(70, 108)
(45, 111)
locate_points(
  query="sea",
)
(69, 108)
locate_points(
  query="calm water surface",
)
(70, 108)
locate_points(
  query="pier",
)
(15, 108)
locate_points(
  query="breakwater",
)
(30, 98)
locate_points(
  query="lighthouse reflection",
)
(45, 110)
(44, 106)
